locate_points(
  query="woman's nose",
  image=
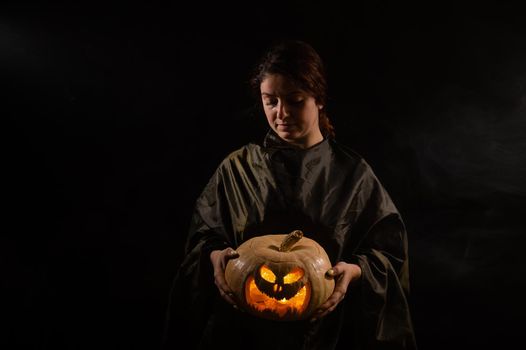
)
(283, 110)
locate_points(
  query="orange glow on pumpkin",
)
(264, 303)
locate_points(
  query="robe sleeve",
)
(193, 290)
(379, 303)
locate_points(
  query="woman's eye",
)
(296, 100)
(271, 103)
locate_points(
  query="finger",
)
(328, 306)
(322, 312)
(334, 272)
(221, 284)
(342, 283)
(227, 255)
(341, 287)
(232, 254)
(326, 312)
(228, 297)
(331, 302)
(337, 269)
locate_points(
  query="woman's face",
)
(292, 113)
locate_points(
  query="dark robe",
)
(332, 195)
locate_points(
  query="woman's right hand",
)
(219, 259)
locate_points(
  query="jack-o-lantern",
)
(280, 277)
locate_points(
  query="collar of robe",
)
(273, 141)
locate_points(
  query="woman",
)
(299, 177)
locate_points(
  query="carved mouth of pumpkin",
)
(278, 295)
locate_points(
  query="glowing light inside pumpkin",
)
(267, 274)
(295, 275)
(263, 303)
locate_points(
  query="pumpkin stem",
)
(289, 240)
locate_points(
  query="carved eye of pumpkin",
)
(293, 276)
(267, 274)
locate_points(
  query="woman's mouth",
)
(285, 126)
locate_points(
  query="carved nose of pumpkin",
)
(278, 288)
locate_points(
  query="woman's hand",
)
(219, 259)
(343, 274)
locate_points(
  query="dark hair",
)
(298, 61)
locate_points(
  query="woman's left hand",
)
(343, 273)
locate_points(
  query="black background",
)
(115, 117)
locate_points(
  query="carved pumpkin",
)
(280, 277)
